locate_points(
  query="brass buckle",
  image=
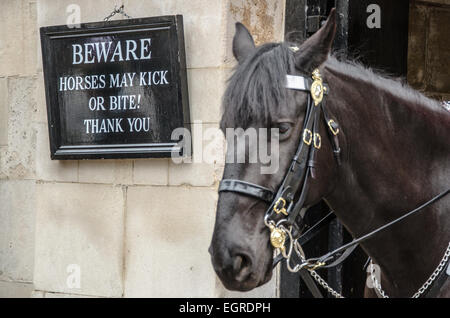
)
(307, 136)
(279, 210)
(277, 237)
(334, 132)
(317, 141)
(317, 87)
(315, 265)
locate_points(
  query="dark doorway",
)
(375, 32)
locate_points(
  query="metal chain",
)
(295, 246)
(376, 284)
(446, 105)
(424, 287)
(324, 284)
(115, 11)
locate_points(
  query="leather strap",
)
(246, 188)
(316, 228)
(332, 256)
(310, 284)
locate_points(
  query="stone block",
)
(64, 11)
(206, 88)
(42, 294)
(17, 217)
(18, 37)
(105, 171)
(203, 27)
(168, 231)
(52, 170)
(151, 171)
(4, 110)
(61, 295)
(37, 294)
(41, 103)
(207, 158)
(203, 21)
(263, 18)
(15, 290)
(79, 239)
(17, 160)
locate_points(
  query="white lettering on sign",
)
(118, 80)
(108, 125)
(139, 124)
(124, 102)
(153, 78)
(114, 125)
(98, 52)
(121, 80)
(71, 83)
(107, 105)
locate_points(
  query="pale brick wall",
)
(18, 74)
(134, 227)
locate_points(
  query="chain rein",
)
(423, 288)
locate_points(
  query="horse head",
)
(257, 99)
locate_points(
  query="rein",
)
(284, 213)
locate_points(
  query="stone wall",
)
(133, 228)
(429, 47)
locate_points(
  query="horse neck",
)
(395, 157)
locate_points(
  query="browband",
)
(301, 83)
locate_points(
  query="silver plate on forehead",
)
(296, 82)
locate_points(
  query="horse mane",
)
(256, 89)
(383, 81)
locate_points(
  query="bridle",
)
(284, 217)
(285, 202)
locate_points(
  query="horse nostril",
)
(237, 262)
(241, 267)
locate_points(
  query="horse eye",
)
(283, 127)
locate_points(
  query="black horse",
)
(394, 157)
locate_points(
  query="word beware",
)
(100, 52)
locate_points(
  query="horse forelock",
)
(256, 89)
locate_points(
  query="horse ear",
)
(314, 51)
(243, 43)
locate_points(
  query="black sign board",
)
(115, 89)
